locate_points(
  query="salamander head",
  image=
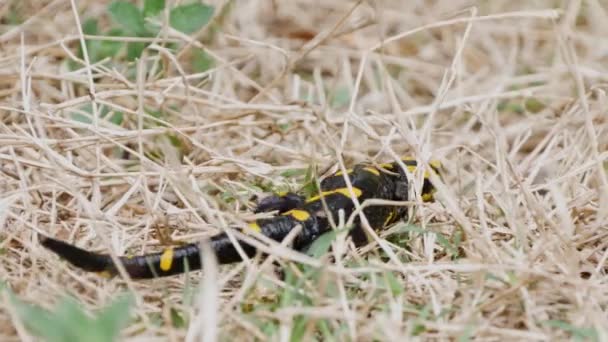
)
(401, 188)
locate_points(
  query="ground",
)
(176, 117)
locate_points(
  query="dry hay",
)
(509, 95)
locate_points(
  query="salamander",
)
(385, 181)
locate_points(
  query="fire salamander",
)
(385, 181)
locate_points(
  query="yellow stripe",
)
(255, 227)
(372, 170)
(343, 191)
(300, 215)
(166, 259)
(388, 166)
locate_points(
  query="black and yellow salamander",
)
(385, 181)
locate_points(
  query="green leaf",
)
(310, 185)
(155, 113)
(321, 245)
(190, 18)
(324, 328)
(201, 61)
(99, 49)
(446, 244)
(70, 317)
(410, 228)
(298, 329)
(269, 328)
(534, 105)
(579, 334)
(70, 322)
(156, 319)
(340, 98)
(175, 141)
(153, 7)
(112, 319)
(110, 48)
(134, 50)
(418, 329)
(37, 320)
(117, 118)
(510, 107)
(151, 115)
(14, 17)
(395, 285)
(90, 27)
(467, 334)
(512, 277)
(177, 319)
(291, 295)
(293, 172)
(83, 117)
(88, 109)
(128, 16)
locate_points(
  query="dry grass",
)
(510, 96)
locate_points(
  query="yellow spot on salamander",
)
(411, 164)
(342, 191)
(255, 227)
(388, 166)
(300, 215)
(436, 164)
(340, 173)
(345, 192)
(428, 197)
(372, 170)
(105, 274)
(166, 259)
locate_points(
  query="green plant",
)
(130, 21)
(68, 321)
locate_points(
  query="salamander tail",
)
(78, 257)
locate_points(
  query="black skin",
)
(388, 182)
(281, 203)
